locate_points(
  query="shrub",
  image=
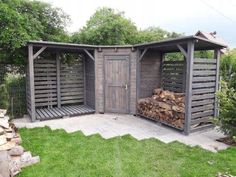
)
(4, 98)
(15, 84)
(227, 103)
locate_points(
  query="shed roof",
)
(168, 45)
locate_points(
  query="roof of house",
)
(168, 45)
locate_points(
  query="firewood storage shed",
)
(55, 88)
(112, 79)
(197, 78)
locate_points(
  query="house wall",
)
(150, 73)
(99, 78)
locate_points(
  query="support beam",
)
(142, 54)
(89, 54)
(58, 62)
(39, 52)
(182, 50)
(31, 82)
(217, 57)
(188, 92)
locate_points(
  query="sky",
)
(183, 16)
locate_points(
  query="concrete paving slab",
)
(113, 125)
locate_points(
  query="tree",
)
(107, 27)
(155, 34)
(23, 20)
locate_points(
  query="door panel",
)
(116, 84)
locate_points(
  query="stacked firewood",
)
(13, 157)
(164, 106)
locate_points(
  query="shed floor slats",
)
(52, 113)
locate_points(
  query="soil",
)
(227, 140)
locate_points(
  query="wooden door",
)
(116, 84)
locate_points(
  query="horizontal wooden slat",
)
(202, 60)
(72, 86)
(203, 127)
(45, 78)
(203, 85)
(203, 96)
(73, 97)
(203, 67)
(72, 93)
(45, 95)
(201, 91)
(202, 108)
(46, 65)
(45, 70)
(44, 82)
(46, 91)
(42, 61)
(72, 101)
(203, 79)
(72, 89)
(48, 99)
(45, 87)
(45, 104)
(200, 120)
(203, 73)
(203, 102)
(202, 114)
(173, 62)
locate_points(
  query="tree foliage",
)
(227, 117)
(228, 68)
(109, 27)
(24, 20)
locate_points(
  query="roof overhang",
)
(165, 46)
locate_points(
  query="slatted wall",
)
(173, 76)
(72, 82)
(71, 79)
(203, 92)
(45, 82)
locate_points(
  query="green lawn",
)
(73, 155)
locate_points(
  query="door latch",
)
(126, 87)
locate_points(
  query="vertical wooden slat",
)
(31, 77)
(189, 76)
(84, 72)
(58, 63)
(217, 57)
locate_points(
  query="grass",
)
(75, 155)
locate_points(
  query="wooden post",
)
(217, 57)
(84, 74)
(138, 76)
(31, 82)
(58, 62)
(161, 68)
(188, 92)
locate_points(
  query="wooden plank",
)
(44, 83)
(189, 77)
(45, 104)
(46, 116)
(31, 80)
(72, 90)
(53, 113)
(202, 108)
(71, 93)
(43, 87)
(45, 95)
(77, 109)
(72, 86)
(65, 109)
(40, 114)
(204, 73)
(203, 96)
(202, 60)
(203, 85)
(39, 52)
(47, 91)
(44, 70)
(72, 82)
(202, 114)
(200, 120)
(73, 97)
(203, 127)
(205, 90)
(204, 79)
(44, 78)
(43, 61)
(173, 62)
(48, 99)
(44, 65)
(203, 67)
(203, 102)
(217, 56)
(182, 50)
(45, 74)
(72, 101)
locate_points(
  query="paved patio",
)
(112, 125)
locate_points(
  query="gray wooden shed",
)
(110, 79)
